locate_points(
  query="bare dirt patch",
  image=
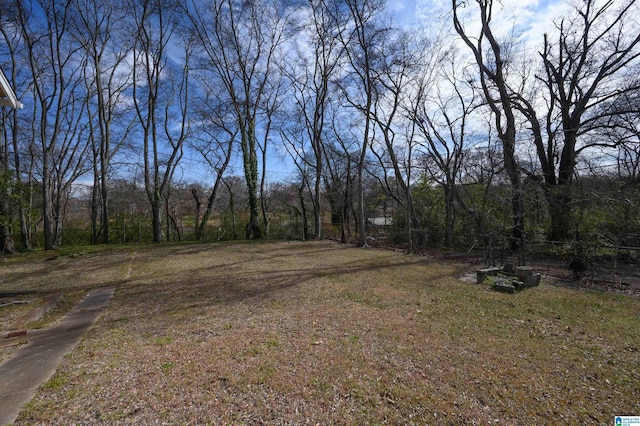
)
(297, 333)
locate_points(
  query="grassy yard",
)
(321, 333)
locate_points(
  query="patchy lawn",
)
(321, 333)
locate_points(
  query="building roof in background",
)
(381, 221)
(7, 96)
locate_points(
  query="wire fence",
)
(494, 248)
(487, 248)
(143, 234)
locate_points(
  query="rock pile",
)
(508, 279)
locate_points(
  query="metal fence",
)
(495, 248)
(140, 234)
(486, 248)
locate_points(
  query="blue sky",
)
(533, 17)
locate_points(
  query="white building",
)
(7, 96)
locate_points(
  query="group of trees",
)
(364, 108)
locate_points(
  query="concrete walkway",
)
(34, 363)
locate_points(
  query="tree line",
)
(462, 128)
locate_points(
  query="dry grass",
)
(319, 333)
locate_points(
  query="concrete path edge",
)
(34, 363)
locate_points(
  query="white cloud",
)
(399, 6)
(528, 18)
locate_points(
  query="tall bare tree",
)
(18, 177)
(271, 107)
(359, 86)
(317, 61)
(240, 41)
(340, 156)
(215, 139)
(100, 28)
(442, 115)
(161, 104)
(493, 64)
(589, 66)
(53, 59)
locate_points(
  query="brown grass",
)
(320, 333)
(11, 313)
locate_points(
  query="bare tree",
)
(586, 65)
(359, 86)
(410, 64)
(589, 65)
(341, 162)
(292, 134)
(18, 180)
(164, 125)
(215, 139)
(240, 42)
(492, 65)
(442, 117)
(316, 63)
(272, 104)
(57, 90)
(99, 27)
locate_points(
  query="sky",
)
(532, 17)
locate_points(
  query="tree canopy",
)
(196, 119)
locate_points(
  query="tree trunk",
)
(5, 231)
(317, 223)
(104, 186)
(448, 217)
(95, 204)
(362, 234)
(49, 238)
(251, 175)
(346, 208)
(263, 179)
(177, 232)
(5, 184)
(58, 225)
(345, 230)
(156, 220)
(25, 218)
(517, 213)
(167, 219)
(303, 213)
(232, 211)
(559, 200)
(253, 228)
(196, 227)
